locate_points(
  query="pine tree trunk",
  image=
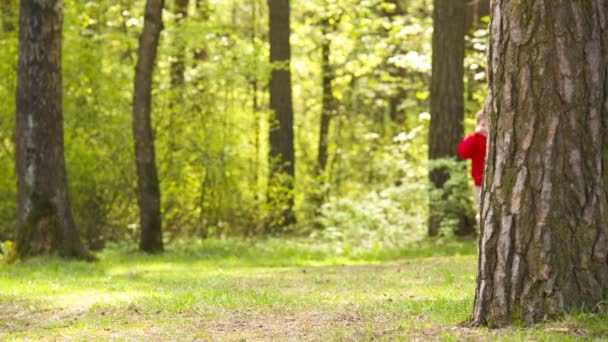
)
(281, 155)
(45, 222)
(447, 98)
(543, 248)
(147, 179)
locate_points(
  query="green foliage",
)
(455, 198)
(380, 221)
(8, 75)
(211, 130)
(391, 214)
(8, 252)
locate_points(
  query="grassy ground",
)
(270, 290)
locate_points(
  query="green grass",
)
(264, 290)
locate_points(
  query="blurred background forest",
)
(211, 121)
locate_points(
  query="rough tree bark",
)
(147, 178)
(447, 98)
(543, 247)
(281, 136)
(45, 222)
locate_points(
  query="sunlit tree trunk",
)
(447, 98)
(281, 155)
(45, 222)
(543, 247)
(147, 179)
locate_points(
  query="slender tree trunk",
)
(396, 115)
(255, 105)
(328, 109)
(178, 66)
(281, 155)
(327, 102)
(543, 247)
(45, 222)
(447, 98)
(147, 179)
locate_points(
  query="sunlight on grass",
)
(231, 290)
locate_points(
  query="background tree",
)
(45, 222)
(447, 100)
(327, 24)
(147, 179)
(543, 245)
(281, 153)
(180, 9)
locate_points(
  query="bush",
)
(388, 219)
(453, 204)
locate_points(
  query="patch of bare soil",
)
(251, 325)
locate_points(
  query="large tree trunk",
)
(281, 155)
(543, 246)
(147, 179)
(45, 222)
(447, 98)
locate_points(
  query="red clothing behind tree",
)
(474, 147)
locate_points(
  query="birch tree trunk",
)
(147, 178)
(543, 245)
(45, 221)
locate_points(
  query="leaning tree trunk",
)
(45, 222)
(543, 246)
(447, 99)
(147, 179)
(281, 154)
